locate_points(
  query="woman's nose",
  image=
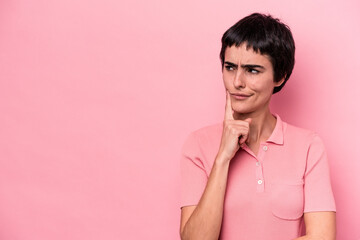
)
(239, 80)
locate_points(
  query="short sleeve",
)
(317, 184)
(193, 174)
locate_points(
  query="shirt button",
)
(259, 181)
(265, 148)
(257, 164)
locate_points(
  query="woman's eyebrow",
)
(231, 64)
(245, 65)
(252, 66)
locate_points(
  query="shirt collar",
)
(277, 135)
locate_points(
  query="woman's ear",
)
(279, 83)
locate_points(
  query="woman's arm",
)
(319, 226)
(319, 204)
(204, 220)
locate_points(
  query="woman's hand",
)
(235, 132)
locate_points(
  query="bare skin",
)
(248, 79)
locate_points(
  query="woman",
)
(254, 176)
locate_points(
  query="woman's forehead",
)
(244, 55)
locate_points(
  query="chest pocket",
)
(287, 200)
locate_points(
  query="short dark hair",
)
(266, 35)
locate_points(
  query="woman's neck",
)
(261, 126)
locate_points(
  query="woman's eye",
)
(252, 70)
(229, 68)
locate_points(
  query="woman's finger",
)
(228, 109)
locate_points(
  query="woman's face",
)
(249, 78)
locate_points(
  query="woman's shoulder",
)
(202, 144)
(296, 132)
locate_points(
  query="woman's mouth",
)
(240, 96)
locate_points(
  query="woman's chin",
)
(239, 112)
(242, 110)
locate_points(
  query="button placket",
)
(259, 177)
(259, 169)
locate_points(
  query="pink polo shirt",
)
(267, 194)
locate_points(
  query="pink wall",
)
(97, 97)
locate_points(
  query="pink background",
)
(97, 97)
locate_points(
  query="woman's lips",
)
(240, 96)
